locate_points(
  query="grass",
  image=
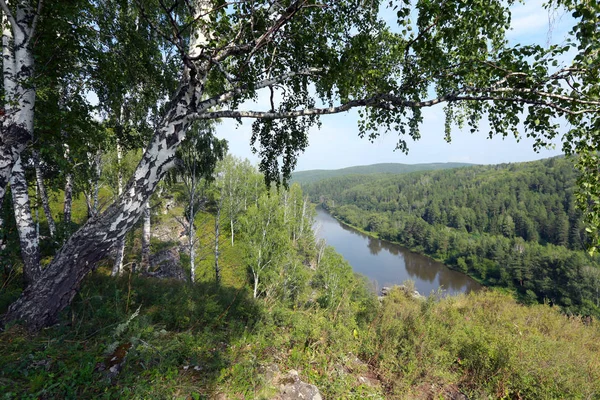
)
(483, 345)
(202, 341)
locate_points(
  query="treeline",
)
(510, 225)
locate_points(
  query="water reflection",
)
(374, 246)
(386, 263)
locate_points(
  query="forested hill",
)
(513, 225)
(315, 175)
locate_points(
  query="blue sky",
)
(337, 145)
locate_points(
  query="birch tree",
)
(317, 58)
(233, 195)
(196, 161)
(266, 241)
(18, 29)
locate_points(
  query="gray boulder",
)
(292, 388)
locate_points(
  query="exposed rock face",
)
(166, 264)
(292, 388)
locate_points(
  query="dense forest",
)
(315, 175)
(252, 305)
(511, 225)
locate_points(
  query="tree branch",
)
(393, 103)
(9, 15)
(214, 101)
(36, 17)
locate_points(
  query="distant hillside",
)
(510, 225)
(315, 175)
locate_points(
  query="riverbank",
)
(375, 235)
(387, 263)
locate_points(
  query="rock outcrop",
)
(292, 388)
(166, 264)
(414, 293)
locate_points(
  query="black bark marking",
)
(173, 138)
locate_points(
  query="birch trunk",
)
(95, 197)
(191, 237)
(118, 265)
(255, 292)
(40, 302)
(146, 235)
(217, 234)
(68, 202)
(192, 231)
(19, 94)
(28, 238)
(43, 194)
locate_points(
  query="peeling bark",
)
(19, 95)
(43, 194)
(28, 238)
(40, 302)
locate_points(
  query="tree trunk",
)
(28, 238)
(192, 247)
(19, 94)
(98, 166)
(255, 293)
(2, 245)
(118, 265)
(39, 177)
(68, 202)
(91, 196)
(68, 195)
(146, 235)
(40, 302)
(217, 234)
(192, 231)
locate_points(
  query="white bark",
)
(43, 194)
(19, 99)
(321, 245)
(28, 237)
(118, 265)
(255, 292)
(41, 301)
(303, 217)
(68, 202)
(146, 236)
(192, 233)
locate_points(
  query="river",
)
(387, 264)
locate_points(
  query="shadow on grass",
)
(181, 341)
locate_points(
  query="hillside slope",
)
(315, 175)
(172, 339)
